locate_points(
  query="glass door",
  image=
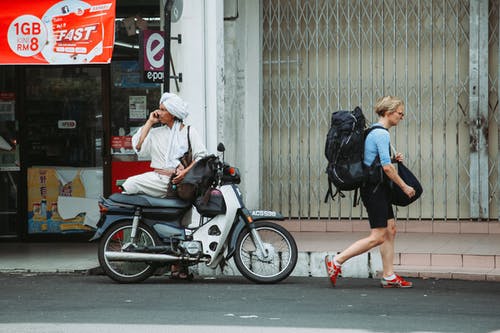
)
(9, 165)
(131, 101)
(62, 147)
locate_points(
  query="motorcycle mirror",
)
(220, 147)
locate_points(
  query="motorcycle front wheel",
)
(279, 259)
(117, 239)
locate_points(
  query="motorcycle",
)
(139, 234)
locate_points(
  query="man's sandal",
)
(181, 275)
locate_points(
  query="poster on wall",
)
(63, 200)
(57, 32)
(137, 107)
(122, 145)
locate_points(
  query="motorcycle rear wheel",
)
(281, 258)
(113, 240)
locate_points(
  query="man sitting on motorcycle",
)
(165, 145)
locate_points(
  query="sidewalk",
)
(424, 255)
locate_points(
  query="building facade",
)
(440, 57)
(263, 77)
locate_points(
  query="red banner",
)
(57, 32)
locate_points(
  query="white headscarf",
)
(177, 108)
(175, 105)
(175, 149)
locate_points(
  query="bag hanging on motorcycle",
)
(171, 190)
(198, 179)
(183, 190)
(211, 203)
(186, 191)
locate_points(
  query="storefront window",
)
(131, 102)
(9, 152)
(63, 109)
(62, 147)
(132, 99)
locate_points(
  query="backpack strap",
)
(333, 195)
(357, 197)
(329, 192)
(374, 127)
(357, 194)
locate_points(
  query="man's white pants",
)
(150, 183)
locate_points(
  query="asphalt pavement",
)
(35, 302)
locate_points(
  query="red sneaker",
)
(332, 270)
(397, 282)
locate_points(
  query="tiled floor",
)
(421, 254)
(450, 255)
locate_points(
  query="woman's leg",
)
(387, 248)
(376, 237)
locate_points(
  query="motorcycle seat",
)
(143, 200)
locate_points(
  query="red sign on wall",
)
(119, 142)
(57, 32)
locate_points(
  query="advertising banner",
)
(57, 32)
(63, 199)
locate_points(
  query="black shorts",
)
(376, 199)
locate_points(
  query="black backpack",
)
(344, 150)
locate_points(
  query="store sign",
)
(66, 124)
(152, 53)
(57, 32)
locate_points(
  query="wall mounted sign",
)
(152, 46)
(66, 124)
(176, 14)
(57, 32)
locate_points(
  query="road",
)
(78, 303)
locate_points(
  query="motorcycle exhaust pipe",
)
(136, 256)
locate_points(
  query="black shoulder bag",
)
(399, 198)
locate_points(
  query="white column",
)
(200, 59)
(214, 70)
(252, 128)
(225, 103)
(243, 98)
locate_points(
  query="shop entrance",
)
(9, 154)
(62, 147)
(9, 163)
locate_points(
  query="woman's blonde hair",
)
(387, 104)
